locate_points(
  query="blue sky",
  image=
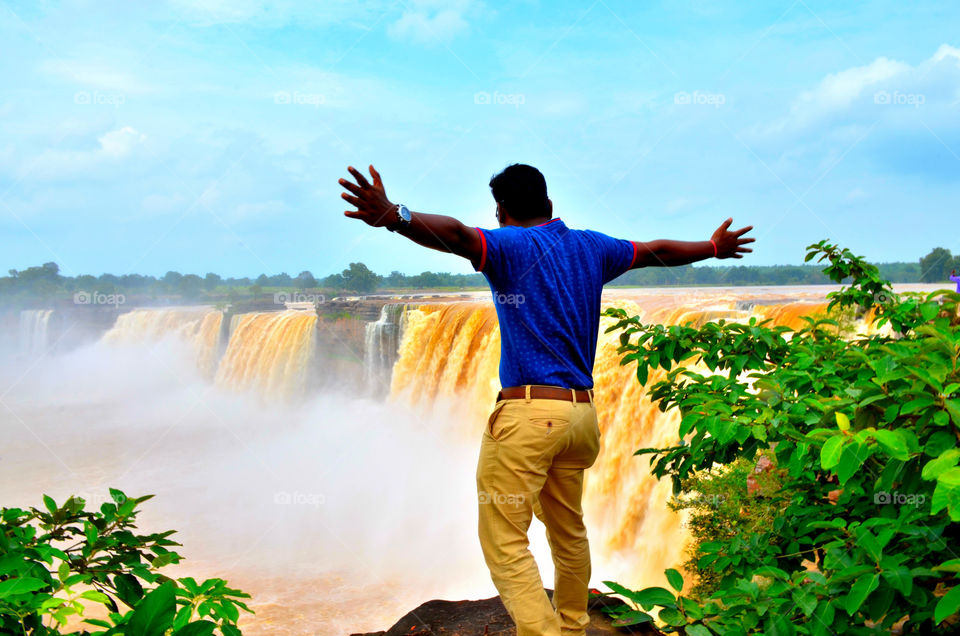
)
(208, 135)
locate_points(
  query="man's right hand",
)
(729, 244)
(373, 206)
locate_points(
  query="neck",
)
(529, 222)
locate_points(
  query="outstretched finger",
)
(362, 180)
(745, 240)
(743, 230)
(377, 181)
(351, 200)
(351, 187)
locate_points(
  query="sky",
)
(208, 135)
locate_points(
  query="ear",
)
(550, 207)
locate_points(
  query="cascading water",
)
(198, 328)
(34, 331)
(381, 346)
(269, 353)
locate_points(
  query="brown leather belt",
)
(538, 392)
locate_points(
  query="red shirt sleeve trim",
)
(483, 250)
(633, 261)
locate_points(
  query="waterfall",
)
(34, 331)
(198, 328)
(269, 353)
(381, 346)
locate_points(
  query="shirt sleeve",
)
(616, 255)
(495, 248)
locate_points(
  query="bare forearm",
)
(668, 253)
(443, 233)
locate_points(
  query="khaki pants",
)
(532, 458)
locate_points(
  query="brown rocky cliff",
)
(489, 617)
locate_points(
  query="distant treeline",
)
(44, 283)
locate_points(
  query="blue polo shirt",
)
(546, 282)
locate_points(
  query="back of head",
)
(522, 191)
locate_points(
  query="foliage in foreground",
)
(56, 561)
(862, 432)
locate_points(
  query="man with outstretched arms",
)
(542, 434)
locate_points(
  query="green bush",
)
(53, 562)
(863, 432)
(728, 504)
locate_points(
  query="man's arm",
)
(435, 231)
(667, 253)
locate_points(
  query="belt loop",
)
(527, 393)
(590, 395)
(573, 395)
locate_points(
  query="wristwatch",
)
(403, 220)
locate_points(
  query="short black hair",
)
(522, 190)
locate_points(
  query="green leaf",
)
(691, 608)
(50, 503)
(948, 605)
(851, 459)
(806, 601)
(230, 630)
(893, 443)
(697, 630)
(860, 591)
(672, 616)
(830, 453)
(675, 579)
(953, 565)
(153, 615)
(20, 585)
(95, 595)
(950, 477)
(900, 578)
(129, 589)
(199, 628)
(654, 596)
(946, 460)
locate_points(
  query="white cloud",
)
(98, 75)
(97, 162)
(279, 13)
(119, 143)
(884, 89)
(433, 21)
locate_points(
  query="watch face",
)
(404, 213)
